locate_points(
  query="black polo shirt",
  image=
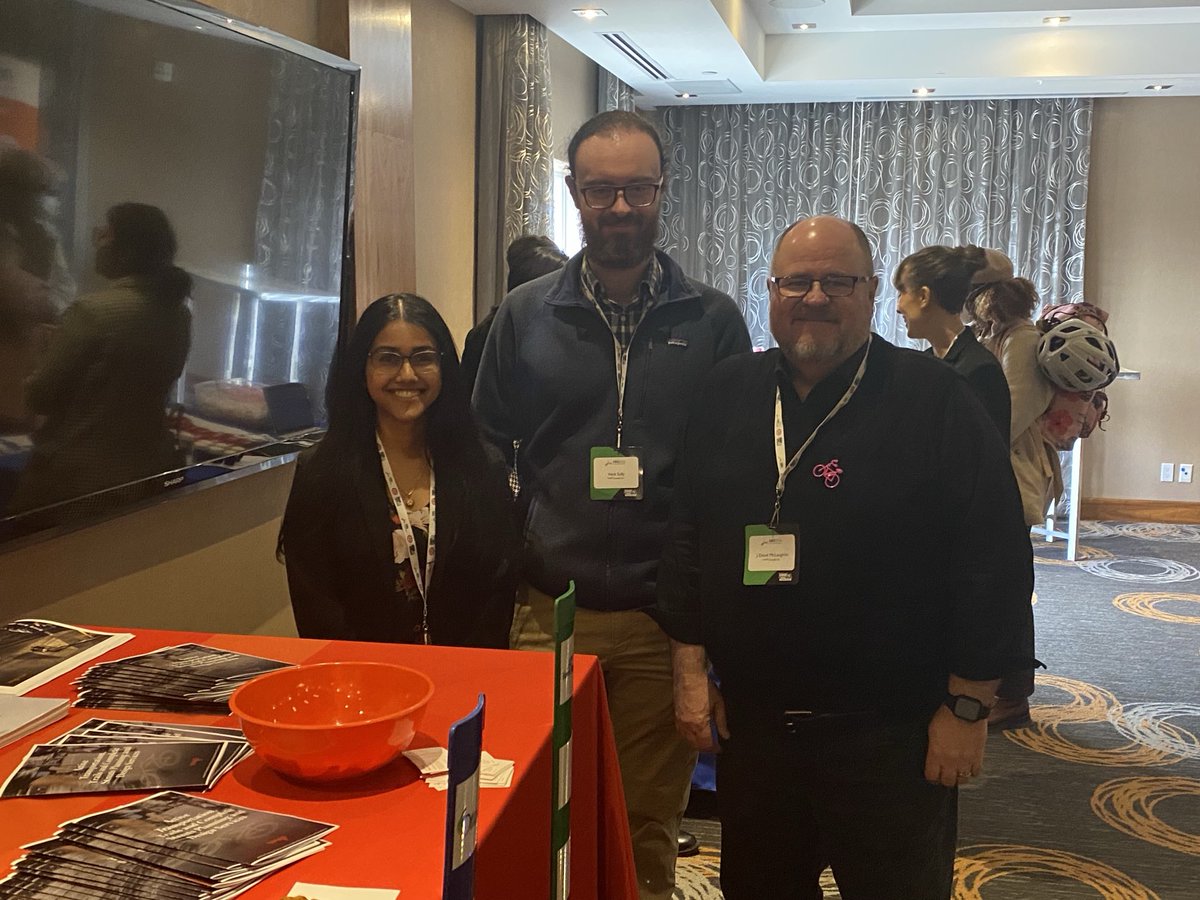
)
(983, 373)
(916, 564)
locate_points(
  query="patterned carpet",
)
(1100, 796)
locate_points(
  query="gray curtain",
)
(1010, 174)
(612, 93)
(298, 226)
(515, 153)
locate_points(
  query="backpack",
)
(1075, 352)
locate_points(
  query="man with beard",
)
(584, 386)
(847, 550)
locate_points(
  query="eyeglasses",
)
(796, 287)
(602, 196)
(389, 361)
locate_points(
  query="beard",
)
(811, 349)
(624, 250)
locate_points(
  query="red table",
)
(391, 825)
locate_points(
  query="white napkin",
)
(328, 892)
(432, 762)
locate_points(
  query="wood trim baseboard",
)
(1174, 512)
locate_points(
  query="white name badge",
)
(771, 553)
(615, 472)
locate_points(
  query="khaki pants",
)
(656, 764)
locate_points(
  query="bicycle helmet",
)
(1077, 356)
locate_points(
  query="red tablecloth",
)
(391, 825)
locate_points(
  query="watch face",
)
(968, 708)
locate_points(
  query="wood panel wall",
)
(1115, 510)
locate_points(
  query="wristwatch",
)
(969, 709)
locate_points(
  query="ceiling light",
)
(589, 13)
(1159, 87)
(924, 91)
(1056, 20)
(685, 96)
(804, 26)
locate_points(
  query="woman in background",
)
(933, 284)
(1002, 313)
(398, 527)
(109, 368)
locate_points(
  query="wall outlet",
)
(1166, 472)
(1185, 473)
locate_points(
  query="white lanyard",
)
(785, 468)
(410, 541)
(622, 364)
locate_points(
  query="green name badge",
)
(771, 555)
(616, 474)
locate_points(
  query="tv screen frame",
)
(48, 522)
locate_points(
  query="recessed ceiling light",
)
(924, 91)
(804, 26)
(1056, 20)
(685, 96)
(589, 13)
(1159, 87)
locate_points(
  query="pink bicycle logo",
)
(830, 471)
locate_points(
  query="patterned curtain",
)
(1010, 174)
(302, 200)
(515, 162)
(612, 93)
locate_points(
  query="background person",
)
(109, 369)
(1002, 314)
(353, 572)
(933, 284)
(529, 256)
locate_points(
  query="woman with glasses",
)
(398, 527)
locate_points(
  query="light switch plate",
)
(1166, 472)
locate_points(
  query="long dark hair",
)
(946, 271)
(452, 437)
(144, 246)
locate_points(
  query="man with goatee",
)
(584, 385)
(847, 551)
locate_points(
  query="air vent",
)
(635, 54)
(706, 88)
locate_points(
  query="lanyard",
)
(785, 468)
(410, 541)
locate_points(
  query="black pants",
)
(846, 793)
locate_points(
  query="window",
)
(564, 217)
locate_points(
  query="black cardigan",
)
(337, 544)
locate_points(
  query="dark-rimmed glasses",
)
(602, 196)
(796, 287)
(390, 361)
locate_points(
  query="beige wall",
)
(1142, 235)
(444, 159)
(572, 92)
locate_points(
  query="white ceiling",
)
(746, 51)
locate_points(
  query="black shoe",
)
(687, 844)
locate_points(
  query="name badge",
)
(771, 555)
(616, 473)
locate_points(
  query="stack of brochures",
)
(35, 651)
(169, 845)
(21, 716)
(101, 756)
(190, 678)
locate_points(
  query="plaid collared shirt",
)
(623, 320)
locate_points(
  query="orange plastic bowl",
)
(330, 721)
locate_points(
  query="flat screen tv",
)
(175, 198)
